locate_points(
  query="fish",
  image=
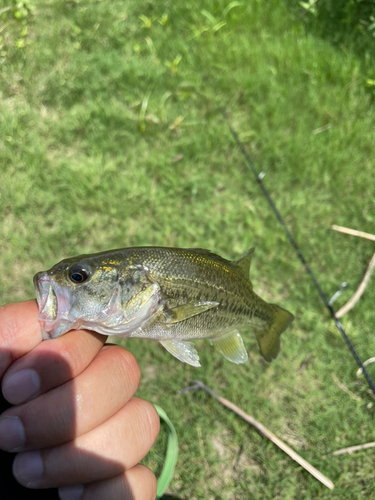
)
(171, 295)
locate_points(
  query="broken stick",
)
(354, 232)
(357, 295)
(263, 430)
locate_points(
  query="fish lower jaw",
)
(121, 330)
(54, 329)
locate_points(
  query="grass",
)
(112, 136)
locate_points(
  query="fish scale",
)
(173, 295)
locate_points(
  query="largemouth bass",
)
(172, 295)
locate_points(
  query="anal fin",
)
(182, 350)
(231, 346)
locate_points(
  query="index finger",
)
(20, 332)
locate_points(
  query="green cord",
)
(170, 456)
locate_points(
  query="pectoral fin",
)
(231, 346)
(182, 350)
(185, 311)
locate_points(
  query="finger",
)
(75, 407)
(50, 364)
(105, 452)
(137, 483)
(19, 331)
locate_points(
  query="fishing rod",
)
(259, 179)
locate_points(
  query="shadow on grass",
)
(170, 497)
(344, 23)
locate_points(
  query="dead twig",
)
(365, 363)
(354, 448)
(357, 295)
(265, 432)
(360, 372)
(354, 232)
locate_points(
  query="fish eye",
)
(78, 274)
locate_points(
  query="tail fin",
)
(269, 338)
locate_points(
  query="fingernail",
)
(21, 386)
(12, 434)
(28, 467)
(71, 492)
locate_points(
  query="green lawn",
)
(111, 135)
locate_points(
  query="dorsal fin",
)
(243, 264)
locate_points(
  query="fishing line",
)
(258, 178)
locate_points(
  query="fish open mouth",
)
(46, 297)
(53, 306)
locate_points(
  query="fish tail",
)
(269, 338)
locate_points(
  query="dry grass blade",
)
(345, 389)
(350, 449)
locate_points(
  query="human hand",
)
(75, 425)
